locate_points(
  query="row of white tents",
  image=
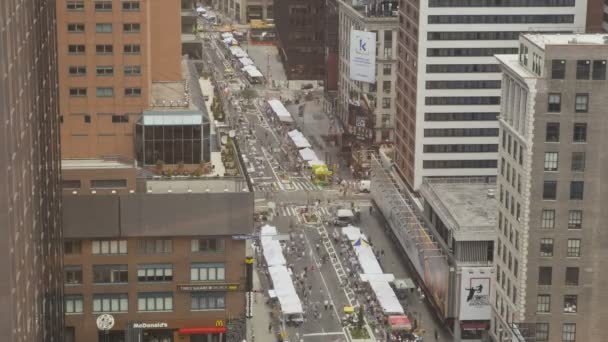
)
(372, 272)
(248, 66)
(282, 283)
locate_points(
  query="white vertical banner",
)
(363, 56)
(475, 293)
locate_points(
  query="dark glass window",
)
(110, 274)
(120, 118)
(103, 6)
(545, 274)
(461, 132)
(461, 116)
(501, 3)
(581, 104)
(578, 161)
(461, 100)
(555, 103)
(542, 332)
(500, 19)
(462, 68)
(549, 190)
(468, 52)
(73, 274)
(72, 247)
(130, 6)
(154, 272)
(571, 276)
(70, 184)
(108, 183)
(155, 246)
(599, 70)
(208, 301)
(583, 69)
(552, 132)
(580, 133)
(208, 245)
(558, 69)
(77, 70)
(576, 190)
(546, 247)
(459, 164)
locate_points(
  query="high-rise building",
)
(300, 30)
(550, 251)
(367, 110)
(243, 11)
(31, 287)
(448, 88)
(112, 54)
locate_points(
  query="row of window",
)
(461, 148)
(105, 92)
(543, 303)
(468, 52)
(568, 332)
(579, 132)
(75, 184)
(583, 69)
(145, 246)
(119, 274)
(459, 164)
(104, 28)
(577, 161)
(129, 70)
(104, 49)
(575, 219)
(461, 100)
(116, 118)
(545, 276)
(501, 19)
(146, 302)
(461, 68)
(488, 35)
(573, 248)
(550, 190)
(501, 3)
(554, 103)
(461, 132)
(464, 116)
(478, 84)
(101, 6)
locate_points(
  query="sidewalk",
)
(257, 326)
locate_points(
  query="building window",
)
(570, 303)
(124, 118)
(575, 219)
(78, 92)
(569, 332)
(104, 92)
(130, 6)
(552, 132)
(571, 276)
(155, 301)
(110, 274)
(103, 28)
(555, 103)
(207, 272)
(77, 70)
(558, 69)
(580, 133)
(75, 6)
(386, 86)
(132, 70)
(545, 275)
(109, 247)
(581, 103)
(155, 246)
(542, 332)
(583, 69)
(576, 190)
(578, 161)
(132, 92)
(108, 183)
(131, 27)
(73, 275)
(75, 28)
(551, 161)
(76, 49)
(208, 301)
(111, 302)
(549, 190)
(72, 247)
(599, 70)
(574, 248)
(104, 49)
(73, 304)
(104, 71)
(387, 69)
(132, 49)
(386, 102)
(103, 6)
(546, 247)
(87, 118)
(155, 272)
(543, 303)
(208, 245)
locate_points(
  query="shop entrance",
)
(208, 338)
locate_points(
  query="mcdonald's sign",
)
(219, 323)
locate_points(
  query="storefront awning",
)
(201, 331)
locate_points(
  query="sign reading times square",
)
(208, 287)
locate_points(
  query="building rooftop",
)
(205, 185)
(169, 94)
(466, 206)
(375, 9)
(541, 40)
(92, 164)
(512, 62)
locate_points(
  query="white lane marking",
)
(325, 333)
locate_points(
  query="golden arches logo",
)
(219, 323)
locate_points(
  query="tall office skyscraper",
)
(550, 282)
(31, 282)
(449, 82)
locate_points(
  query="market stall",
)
(291, 307)
(307, 154)
(280, 111)
(245, 61)
(386, 297)
(254, 75)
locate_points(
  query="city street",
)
(284, 193)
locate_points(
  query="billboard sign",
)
(363, 56)
(475, 294)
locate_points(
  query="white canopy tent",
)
(307, 154)
(285, 291)
(300, 142)
(315, 162)
(253, 72)
(237, 51)
(345, 213)
(280, 111)
(268, 230)
(386, 297)
(352, 233)
(293, 133)
(367, 260)
(387, 277)
(245, 61)
(273, 253)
